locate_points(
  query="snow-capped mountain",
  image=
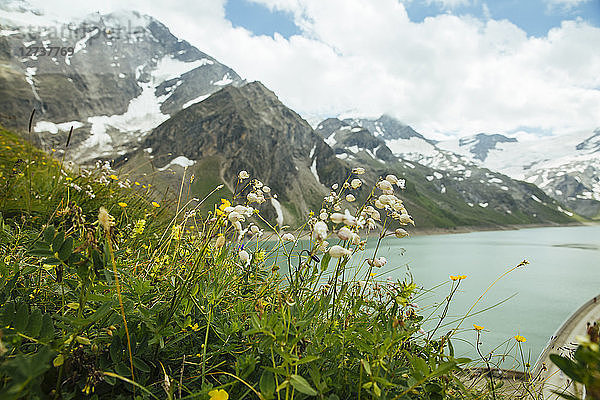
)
(113, 78)
(400, 140)
(566, 167)
(451, 181)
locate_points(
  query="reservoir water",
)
(563, 273)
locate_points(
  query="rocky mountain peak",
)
(480, 144)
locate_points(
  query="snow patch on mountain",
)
(196, 100)
(181, 161)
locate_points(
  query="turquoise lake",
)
(563, 273)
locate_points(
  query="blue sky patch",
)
(535, 17)
(259, 20)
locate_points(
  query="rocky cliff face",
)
(247, 128)
(112, 77)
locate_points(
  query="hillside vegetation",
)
(109, 291)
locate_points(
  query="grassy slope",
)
(60, 309)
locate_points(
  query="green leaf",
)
(66, 249)
(21, 318)
(301, 385)
(116, 350)
(420, 366)
(7, 315)
(462, 360)
(565, 395)
(97, 259)
(49, 234)
(40, 250)
(47, 328)
(58, 241)
(35, 324)
(444, 368)
(325, 261)
(366, 366)
(566, 365)
(267, 384)
(140, 364)
(59, 360)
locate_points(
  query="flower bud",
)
(355, 183)
(338, 251)
(344, 233)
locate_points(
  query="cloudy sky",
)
(446, 67)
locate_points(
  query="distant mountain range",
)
(566, 167)
(158, 107)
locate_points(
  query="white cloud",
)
(450, 4)
(448, 74)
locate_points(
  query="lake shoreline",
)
(468, 229)
(414, 231)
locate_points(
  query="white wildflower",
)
(384, 185)
(320, 230)
(392, 179)
(358, 170)
(288, 237)
(350, 198)
(243, 175)
(339, 251)
(349, 219)
(234, 216)
(356, 183)
(244, 256)
(405, 219)
(344, 233)
(105, 219)
(400, 233)
(337, 218)
(252, 197)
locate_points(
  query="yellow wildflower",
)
(520, 338)
(458, 277)
(122, 204)
(259, 255)
(155, 204)
(140, 224)
(224, 204)
(478, 328)
(137, 183)
(218, 395)
(113, 177)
